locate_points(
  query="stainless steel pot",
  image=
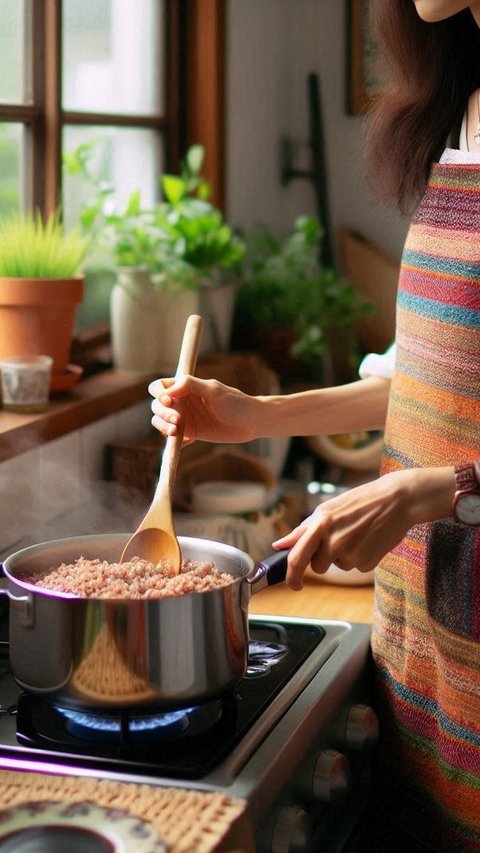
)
(171, 652)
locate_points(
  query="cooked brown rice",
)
(136, 578)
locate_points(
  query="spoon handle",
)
(187, 361)
(192, 336)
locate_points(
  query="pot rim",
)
(247, 566)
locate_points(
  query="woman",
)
(417, 521)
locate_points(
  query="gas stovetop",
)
(184, 743)
(305, 679)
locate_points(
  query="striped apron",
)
(426, 637)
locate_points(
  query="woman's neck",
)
(473, 122)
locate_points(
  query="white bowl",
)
(341, 578)
(229, 496)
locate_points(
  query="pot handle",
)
(270, 570)
(23, 603)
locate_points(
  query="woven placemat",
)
(188, 821)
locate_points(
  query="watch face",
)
(467, 509)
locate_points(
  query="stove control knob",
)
(331, 776)
(361, 729)
(291, 831)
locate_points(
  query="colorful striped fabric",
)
(426, 639)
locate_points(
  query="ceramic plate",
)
(80, 827)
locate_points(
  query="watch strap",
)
(467, 478)
(467, 481)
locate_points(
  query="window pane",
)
(120, 158)
(126, 158)
(14, 31)
(12, 146)
(111, 56)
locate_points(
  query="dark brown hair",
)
(431, 68)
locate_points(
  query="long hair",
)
(431, 69)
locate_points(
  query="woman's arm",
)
(212, 411)
(326, 411)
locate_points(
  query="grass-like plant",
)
(32, 248)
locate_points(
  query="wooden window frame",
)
(194, 96)
(206, 52)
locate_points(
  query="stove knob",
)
(362, 727)
(331, 776)
(291, 831)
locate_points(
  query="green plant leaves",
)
(194, 159)
(284, 284)
(183, 236)
(173, 188)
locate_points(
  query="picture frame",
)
(362, 81)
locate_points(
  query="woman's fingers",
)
(166, 393)
(308, 544)
(159, 386)
(321, 540)
(311, 548)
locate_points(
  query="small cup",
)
(25, 381)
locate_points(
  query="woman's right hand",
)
(210, 410)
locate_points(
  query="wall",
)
(272, 45)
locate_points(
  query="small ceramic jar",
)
(25, 382)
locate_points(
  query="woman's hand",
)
(358, 527)
(210, 410)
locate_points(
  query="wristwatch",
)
(466, 503)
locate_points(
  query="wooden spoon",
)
(155, 538)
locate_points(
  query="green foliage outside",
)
(9, 181)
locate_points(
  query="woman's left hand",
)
(358, 527)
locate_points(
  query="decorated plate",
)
(52, 827)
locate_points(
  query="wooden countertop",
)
(317, 600)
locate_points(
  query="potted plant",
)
(199, 248)
(300, 314)
(40, 287)
(168, 258)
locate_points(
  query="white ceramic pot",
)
(147, 323)
(217, 305)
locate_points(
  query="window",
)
(112, 74)
(72, 70)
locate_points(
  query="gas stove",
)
(293, 739)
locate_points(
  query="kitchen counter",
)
(317, 600)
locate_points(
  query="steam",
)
(94, 508)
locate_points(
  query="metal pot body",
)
(91, 653)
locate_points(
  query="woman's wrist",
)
(430, 493)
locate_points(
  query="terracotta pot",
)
(37, 317)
